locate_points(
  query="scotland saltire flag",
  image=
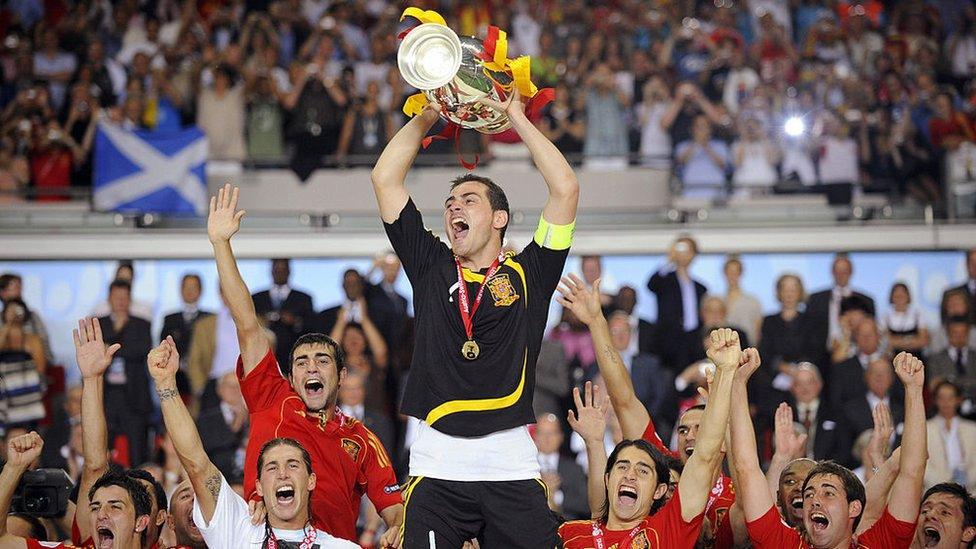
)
(138, 171)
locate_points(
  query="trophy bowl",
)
(450, 72)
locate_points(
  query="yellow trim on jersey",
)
(481, 404)
(517, 267)
(471, 276)
(554, 237)
(411, 484)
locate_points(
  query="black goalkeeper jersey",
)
(493, 392)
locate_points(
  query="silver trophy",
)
(449, 70)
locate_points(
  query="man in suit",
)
(128, 404)
(968, 287)
(650, 383)
(564, 477)
(642, 332)
(352, 401)
(180, 325)
(678, 300)
(879, 380)
(354, 289)
(552, 379)
(223, 428)
(823, 307)
(957, 362)
(952, 440)
(824, 428)
(286, 311)
(387, 308)
(847, 378)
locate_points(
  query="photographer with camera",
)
(119, 505)
(40, 507)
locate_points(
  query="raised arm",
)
(914, 441)
(223, 223)
(163, 363)
(751, 489)
(560, 208)
(93, 358)
(393, 164)
(590, 423)
(699, 473)
(585, 304)
(21, 452)
(789, 446)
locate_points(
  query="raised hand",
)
(590, 420)
(164, 361)
(881, 435)
(91, 353)
(224, 220)
(24, 450)
(585, 303)
(749, 362)
(511, 106)
(788, 443)
(910, 370)
(724, 349)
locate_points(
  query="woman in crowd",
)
(903, 323)
(22, 368)
(366, 353)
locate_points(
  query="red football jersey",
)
(769, 530)
(720, 500)
(347, 458)
(665, 529)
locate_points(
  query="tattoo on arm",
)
(166, 394)
(611, 354)
(213, 484)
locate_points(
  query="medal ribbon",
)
(624, 544)
(467, 310)
(310, 535)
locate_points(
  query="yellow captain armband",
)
(554, 237)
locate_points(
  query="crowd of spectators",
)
(827, 354)
(736, 97)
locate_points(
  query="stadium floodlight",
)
(794, 126)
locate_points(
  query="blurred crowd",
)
(827, 354)
(737, 97)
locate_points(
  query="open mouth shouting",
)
(690, 449)
(104, 538)
(459, 228)
(285, 494)
(932, 534)
(819, 521)
(627, 496)
(314, 388)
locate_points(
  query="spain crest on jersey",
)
(502, 291)
(352, 448)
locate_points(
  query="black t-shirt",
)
(462, 397)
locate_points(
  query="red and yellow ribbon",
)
(424, 16)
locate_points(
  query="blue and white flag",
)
(137, 171)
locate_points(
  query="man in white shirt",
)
(285, 479)
(823, 307)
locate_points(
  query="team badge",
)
(352, 448)
(502, 291)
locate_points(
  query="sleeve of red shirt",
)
(682, 533)
(650, 435)
(889, 533)
(769, 531)
(263, 387)
(376, 470)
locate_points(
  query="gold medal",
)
(470, 350)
